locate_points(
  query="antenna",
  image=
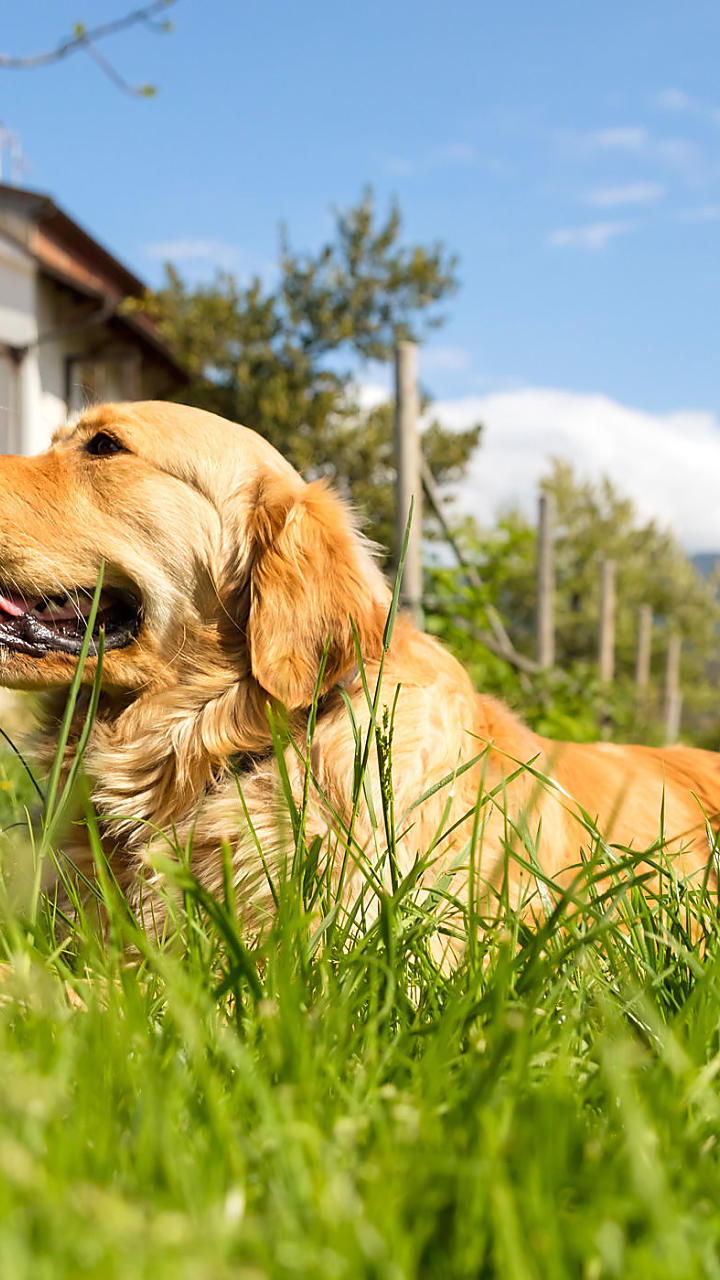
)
(12, 161)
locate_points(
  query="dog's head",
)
(205, 534)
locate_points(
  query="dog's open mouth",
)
(38, 624)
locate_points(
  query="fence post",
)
(409, 488)
(673, 696)
(546, 581)
(606, 639)
(644, 639)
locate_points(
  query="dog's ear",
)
(312, 573)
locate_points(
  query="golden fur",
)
(244, 573)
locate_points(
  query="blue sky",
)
(569, 153)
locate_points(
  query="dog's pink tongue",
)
(16, 605)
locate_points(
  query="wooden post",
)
(606, 639)
(673, 697)
(407, 455)
(546, 581)
(642, 665)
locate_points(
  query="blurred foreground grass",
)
(332, 1105)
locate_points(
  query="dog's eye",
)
(103, 445)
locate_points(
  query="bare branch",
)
(112, 73)
(85, 39)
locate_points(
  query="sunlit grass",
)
(332, 1101)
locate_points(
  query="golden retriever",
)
(227, 580)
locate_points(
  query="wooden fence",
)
(672, 701)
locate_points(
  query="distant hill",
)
(706, 561)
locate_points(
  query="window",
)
(92, 379)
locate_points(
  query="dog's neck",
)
(152, 756)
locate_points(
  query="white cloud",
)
(398, 167)
(668, 463)
(454, 153)
(190, 249)
(371, 394)
(678, 101)
(632, 193)
(682, 155)
(703, 213)
(448, 155)
(593, 236)
(624, 138)
(674, 100)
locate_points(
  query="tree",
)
(593, 521)
(282, 359)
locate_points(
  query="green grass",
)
(331, 1104)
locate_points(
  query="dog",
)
(238, 602)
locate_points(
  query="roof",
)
(66, 252)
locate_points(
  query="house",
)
(64, 339)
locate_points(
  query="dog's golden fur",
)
(244, 572)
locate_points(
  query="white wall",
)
(51, 409)
(19, 386)
(9, 425)
(18, 323)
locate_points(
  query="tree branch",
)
(85, 39)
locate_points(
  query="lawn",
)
(329, 1103)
